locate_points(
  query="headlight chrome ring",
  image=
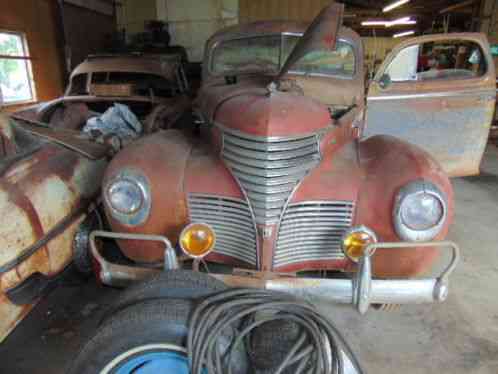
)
(420, 211)
(128, 198)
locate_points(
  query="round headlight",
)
(125, 196)
(420, 211)
(128, 197)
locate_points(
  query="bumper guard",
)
(361, 291)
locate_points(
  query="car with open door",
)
(296, 181)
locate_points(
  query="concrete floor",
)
(459, 336)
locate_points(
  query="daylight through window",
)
(16, 82)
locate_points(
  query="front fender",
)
(161, 158)
(390, 164)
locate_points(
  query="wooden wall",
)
(295, 10)
(87, 32)
(38, 20)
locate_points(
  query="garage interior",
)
(457, 336)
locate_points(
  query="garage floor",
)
(459, 336)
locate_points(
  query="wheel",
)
(178, 284)
(149, 337)
(81, 243)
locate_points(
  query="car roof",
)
(156, 64)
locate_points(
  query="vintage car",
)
(51, 169)
(297, 181)
(154, 87)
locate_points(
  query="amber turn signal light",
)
(197, 240)
(356, 240)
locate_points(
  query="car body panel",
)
(45, 194)
(449, 118)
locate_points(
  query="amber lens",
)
(355, 243)
(197, 240)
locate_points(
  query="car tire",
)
(81, 243)
(177, 284)
(142, 329)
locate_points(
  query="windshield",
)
(266, 54)
(124, 84)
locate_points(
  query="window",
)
(452, 59)
(16, 78)
(266, 54)
(339, 62)
(257, 54)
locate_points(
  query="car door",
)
(437, 92)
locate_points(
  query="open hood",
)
(321, 34)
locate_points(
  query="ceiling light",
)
(397, 22)
(401, 22)
(395, 5)
(374, 23)
(401, 34)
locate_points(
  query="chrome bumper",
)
(361, 291)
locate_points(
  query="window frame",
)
(27, 59)
(442, 41)
(282, 35)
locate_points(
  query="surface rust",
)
(368, 172)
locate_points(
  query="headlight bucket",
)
(128, 198)
(420, 211)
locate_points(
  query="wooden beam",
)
(100, 6)
(459, 6)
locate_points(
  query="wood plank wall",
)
(296, 10)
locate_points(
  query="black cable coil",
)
(318, 346)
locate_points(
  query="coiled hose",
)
(317, 350)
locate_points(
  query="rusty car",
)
(299, 181)
(51, 168)
(291, 180)
(154, 87)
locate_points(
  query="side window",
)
(442, 60)
(78, 85)
(404, 66)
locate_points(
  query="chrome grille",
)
(269, 169)
(312, 231)
(232, 222)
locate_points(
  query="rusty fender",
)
(43, 199)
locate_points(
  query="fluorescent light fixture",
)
(397, 22)
(374, 23)
(401, 34)
(401, 22)
(395, 5)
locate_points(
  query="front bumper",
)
(361, 291)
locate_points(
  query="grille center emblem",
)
(265, 231)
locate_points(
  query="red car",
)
(295, 171)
